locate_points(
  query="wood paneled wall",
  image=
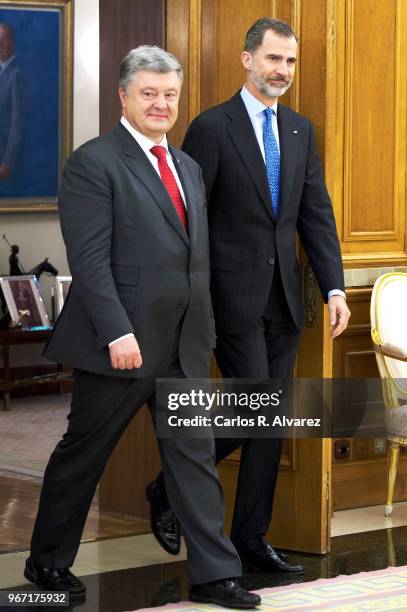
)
(124, 24)
(370, 79)
(351, 83)
(207, 36)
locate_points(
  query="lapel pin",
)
(295, 131)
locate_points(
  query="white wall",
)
(38, 234)
(86, 71)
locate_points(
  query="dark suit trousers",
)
(266, 351)
(102, 407)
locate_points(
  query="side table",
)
(11, 337)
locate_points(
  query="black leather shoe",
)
(269, 560)
(60, 579)
(164, 524)
(225, 593)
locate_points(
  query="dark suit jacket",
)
(13, 109)
(245, 240)
(133, 266)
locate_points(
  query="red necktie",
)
(170, 183)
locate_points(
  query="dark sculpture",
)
(16, 269)
(15, 266)
(44, 267)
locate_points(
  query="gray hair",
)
(10, 30)
(147, 57)
(255, 34)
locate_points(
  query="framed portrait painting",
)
(24, 302)
(35, 101)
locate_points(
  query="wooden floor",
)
(18, 508)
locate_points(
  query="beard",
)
(264, 87)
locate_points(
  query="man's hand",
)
(5, 172)
(125, 354)
(339, 314)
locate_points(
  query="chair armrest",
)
(390, 351)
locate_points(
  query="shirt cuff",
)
(336, 292)
(121, 338)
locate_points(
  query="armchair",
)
(388, 318)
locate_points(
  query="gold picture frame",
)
(44, 81)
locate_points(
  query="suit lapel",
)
(3, 74)
(5, 71)
(189, 189)
(140, 166)
(287, 134)
(242, 134)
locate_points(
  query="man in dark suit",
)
(13, 103)
(133, 217)
(264, 183)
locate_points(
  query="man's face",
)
(150, 104)
(7, 46)
(270, 69)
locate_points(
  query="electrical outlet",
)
(342, 449)
(380, 446)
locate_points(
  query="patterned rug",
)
(29, 433)
(384, 590)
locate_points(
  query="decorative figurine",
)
(15, 267)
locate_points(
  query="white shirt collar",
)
(7, 62)
(253, 104)
(145, 143)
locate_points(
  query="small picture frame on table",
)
(24, 302)
(63, 284)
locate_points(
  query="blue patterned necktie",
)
(272, 155)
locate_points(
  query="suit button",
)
(270, 261)
(277, 232)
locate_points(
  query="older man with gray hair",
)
(133, 218)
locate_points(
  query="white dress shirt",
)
(255, 110)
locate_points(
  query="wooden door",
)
(210, 47)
